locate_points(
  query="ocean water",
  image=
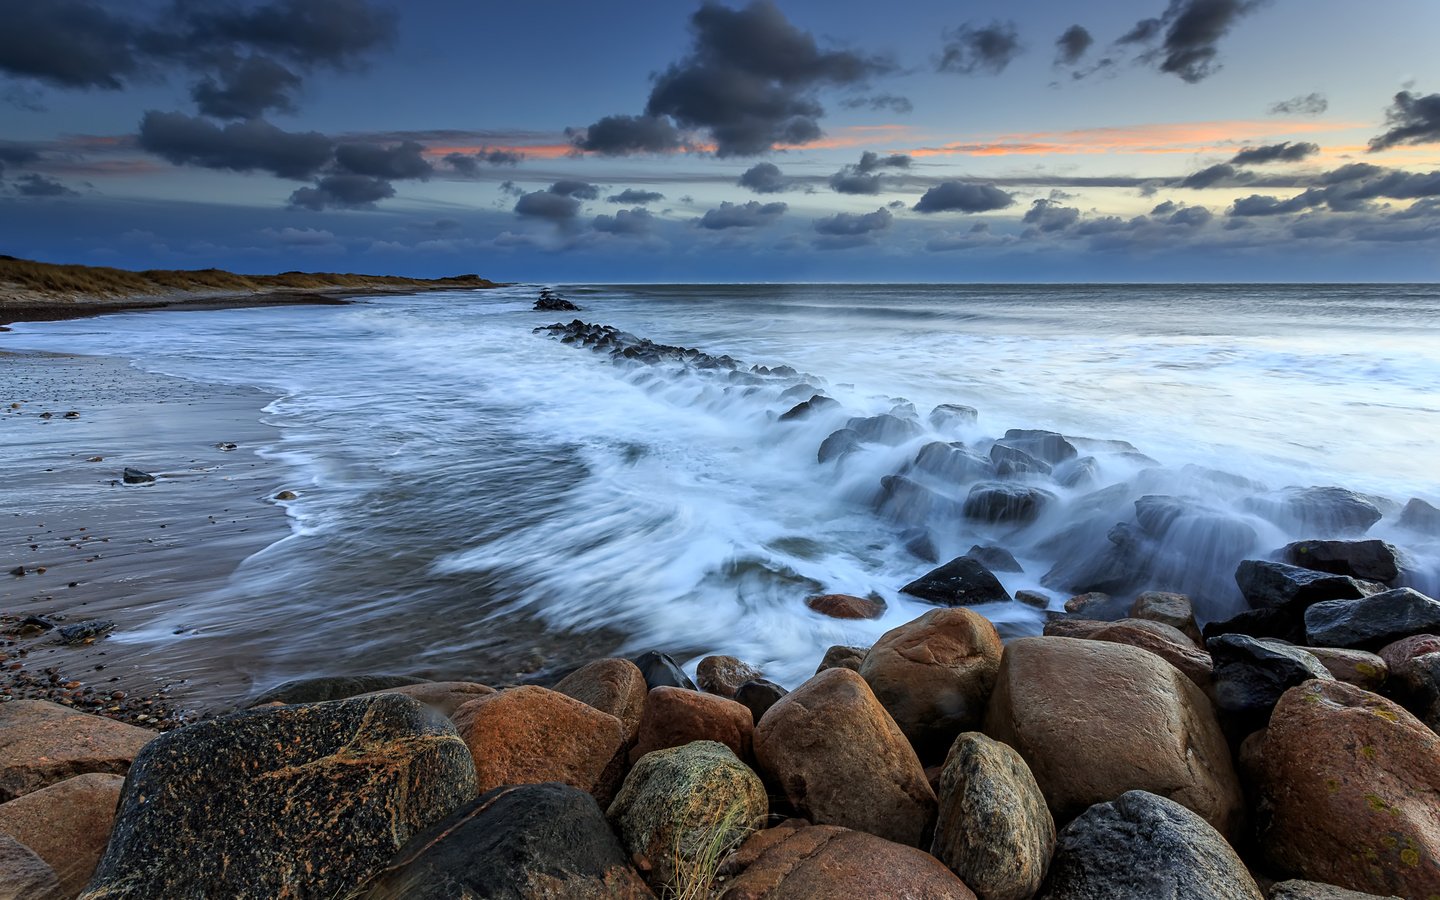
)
(481, 500)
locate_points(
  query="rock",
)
(1079, 473)
(908, 502)
(1314, 890)
(1364, 670)
(1096, 605)
(1416, 684)
(530, 735)
(1325, 511)
(66, 824)
(723, 675)
(1170, 644)
(919, 545)
(135, 476)
(24, 875)
(1094, 720)
(675, 717)
(838, 445)
(884, 429)
(1285, 623)
(1371, 560)
(758, 696)
(1010, 461)
(287, 496)
(83, 632)
(1373, 622)
(680, 803)
(934, 675)
(515, 843)
(1251, 674)
(962, 581)
(814, 404)
(1044, 445)
(42, 743)
(287, 801)
(18, 572)
(662, 671)
(614, 686)
(1171, 609)
(952, 464)
(820, 862)
(442, 696)
(993, 829)
(996, 559)
(318, 690)
(1272, 585)
(840, 759)
(953, 415)
(1347, 792)
(842, 657)
(1397, 654)
(999, 504)
(1036, 599)
(1420, 516)
(1141, 846)
(846, 606)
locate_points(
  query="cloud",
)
(401, 161)
(852, 224)
(634, 197)
(547, 205)
(742, 215)
(1221, 174)
(33, 185)
(1282, 152)
(1049, 216)
(1350, 188)
(1190, 217)
(764, 178)
(955, 196)
(468, 164)
(1303, 105)
(252, 145)
(301, 237)
(1192, 33)
(343, 191)
(748, 81)
(1144, 31)
(861, 178)
(251, 87)
(580, 190)
(67, 43)
(626, 222)
(969, 49)
(880, 103)
(12, 154)
(335, 33)
(1071, 46)
(1412, 119)
(870, 161)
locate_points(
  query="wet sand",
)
(93, 547)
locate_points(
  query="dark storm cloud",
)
(626, 223)
(1145, 31)
(970, 49)
(252, 145)
(12, 154)
(39, 186)
(67, 43)
(1413, 119)
(861, 178)
(548, 205)
(1071, 46)
(1303, 105)
(1219, 175)
(749, 81)
(764, 178)
(336, 33)
(401, 161)
(1192, 32)
(1049, 216)
(343, 191)
(852, 224)
(1190, 217)
(955, 196)
(1283, 152)
(880, 102)
(741, 215)
(1349, 188)
(468, 164)
(634, 197)
(580, 190)
(870, 161)
(250, 88)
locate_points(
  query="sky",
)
(676, 141)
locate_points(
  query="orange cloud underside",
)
(1189, 137)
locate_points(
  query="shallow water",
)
(468, 487)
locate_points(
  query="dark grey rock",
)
(1250, 674)
(758, 696)
(1371, 560)
(838, 445)
(1043, 445)
(908, 502)
(338, 687)
(996, 559)
(920, 545)
(1079, 473)
(1141, 847)
(1323, 511)
(960, 582)
(1314, 890)
(953, 415)
(813, 405)
(1271, 585)
(998, 503)
(1011, 461)
(80, 632)
(1420, 516)
(1033, 598)
(953, 464)
(884, 429)
(842, 657)
(662, 671)
(135, 476)
(1284, 623)
(1372, 622)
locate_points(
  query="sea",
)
(478, 497)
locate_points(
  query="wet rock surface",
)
(1371, 560)
(1373, 622)
(42, 743)
(962, 581)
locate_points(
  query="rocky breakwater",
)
(937, 763)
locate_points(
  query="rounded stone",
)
(676, 716)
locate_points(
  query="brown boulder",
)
(1396, 655)
(1171, 609)
(842, 657)
(675, 716)
(1072, 626)
(24, 875)
(1364, 670)
(66, 824)
(934, 675)
(1347, 794)
(723, 675)
(847, 606)
(840, 759)
(43, 742)
(443, 696)
(615, 686)
(530, 735)
(1314, 890)
(822, 862)
(1095, 719)
(1165, 641)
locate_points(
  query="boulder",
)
(515, 843)
(993, 828)
(337, 687)
(1285, 624)
(1140, 846)
(911, 503)
(1373, 622)
(1095, 719)
(1295, 889)
(675, 717)
(1251, 674)
(1046, 445)
(1371, 560)
(42, 743)
(530, 735)
(1037, 599)
(1171, 609)
(1079, 473)
(839, 759)
(1416, 684)
(953, 415)
(24, 875)
(306, 800)
(838, 445)
(815, 404)
(1420, 516)
(846, 606)
(135, 476)
(821, 862)
(758, 696)
(842, 657)
(1010, 461)
(996, 559)
(1364, 670)
(1347, 791)
(66, 824)
(1166, 642)
(1272, 585)
(442, 696)
(953, 464)
(1323, 511)
(662, 671)
(680, 805)
(884, 429)
(962, 581)
(614, 686)
(934, 675)
(1395, 655)
(1006, 504)
(723, 675)
(1096, 605)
